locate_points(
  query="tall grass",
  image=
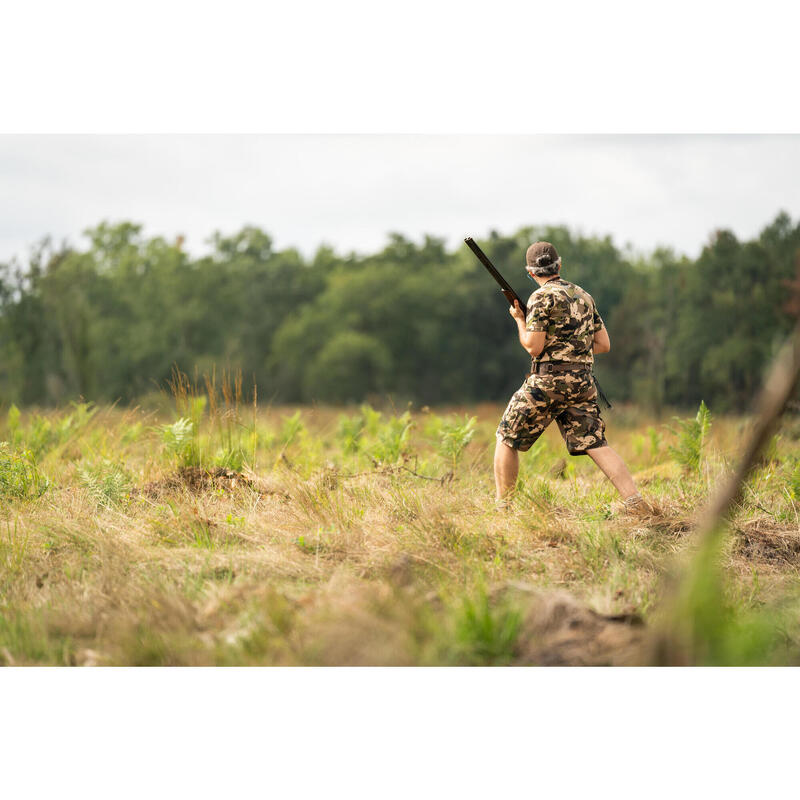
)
(346, 546)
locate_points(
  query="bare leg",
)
(506, 469)
(615, 470)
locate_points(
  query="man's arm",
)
(531, 341)
(601, 342)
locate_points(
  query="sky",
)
(350, 192)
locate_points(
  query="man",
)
(562, 333)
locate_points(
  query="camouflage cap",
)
(542, 258)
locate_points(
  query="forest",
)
(415, 323)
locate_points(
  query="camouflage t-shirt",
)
(569, 316)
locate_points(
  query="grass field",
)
(212, 532)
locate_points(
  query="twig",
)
(389, 469)
(446, 478)
(761, 508)
(284, 458)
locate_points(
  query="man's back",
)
(569, 317)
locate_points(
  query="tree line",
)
(416, 321)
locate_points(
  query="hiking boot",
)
(636, 506)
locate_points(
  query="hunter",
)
(562, 332)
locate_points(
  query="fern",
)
(454, 437)
(108, 483)
(392, 439)
(292, 426)
(688, 451)
(372, 419)
(180, 441)
(350, 432)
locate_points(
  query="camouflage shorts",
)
(569, 398)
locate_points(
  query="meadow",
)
(204, 529)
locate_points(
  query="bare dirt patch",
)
(559, 630)
(198, 480)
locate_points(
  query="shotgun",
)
(511, 295)
(505, 287)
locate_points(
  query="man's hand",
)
(517, 312)
(531, 341)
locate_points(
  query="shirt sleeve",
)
(539, 308)
(597, 321)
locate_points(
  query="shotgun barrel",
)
(505, 287)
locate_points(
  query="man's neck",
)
(543, 281)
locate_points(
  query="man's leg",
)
(523, 421)
(615, 470)
(506, 469)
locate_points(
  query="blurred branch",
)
(772, 402)
(677, 639)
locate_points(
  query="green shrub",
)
(230, 458)
(132, 433)
(652, 438)
(432, 426)
(45, 434)
(12, 421)
(350, 432)
(655, 442)
(454, 436)
(372, 419)
(485, 634)
(794, 481)
(19, 475)
(41, 435)
(392, 439)
(692, 433)
(291, 429)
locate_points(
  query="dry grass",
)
(312, 551)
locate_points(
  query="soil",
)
(198, 480)
(559, 630)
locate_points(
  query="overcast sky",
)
(350, 191)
